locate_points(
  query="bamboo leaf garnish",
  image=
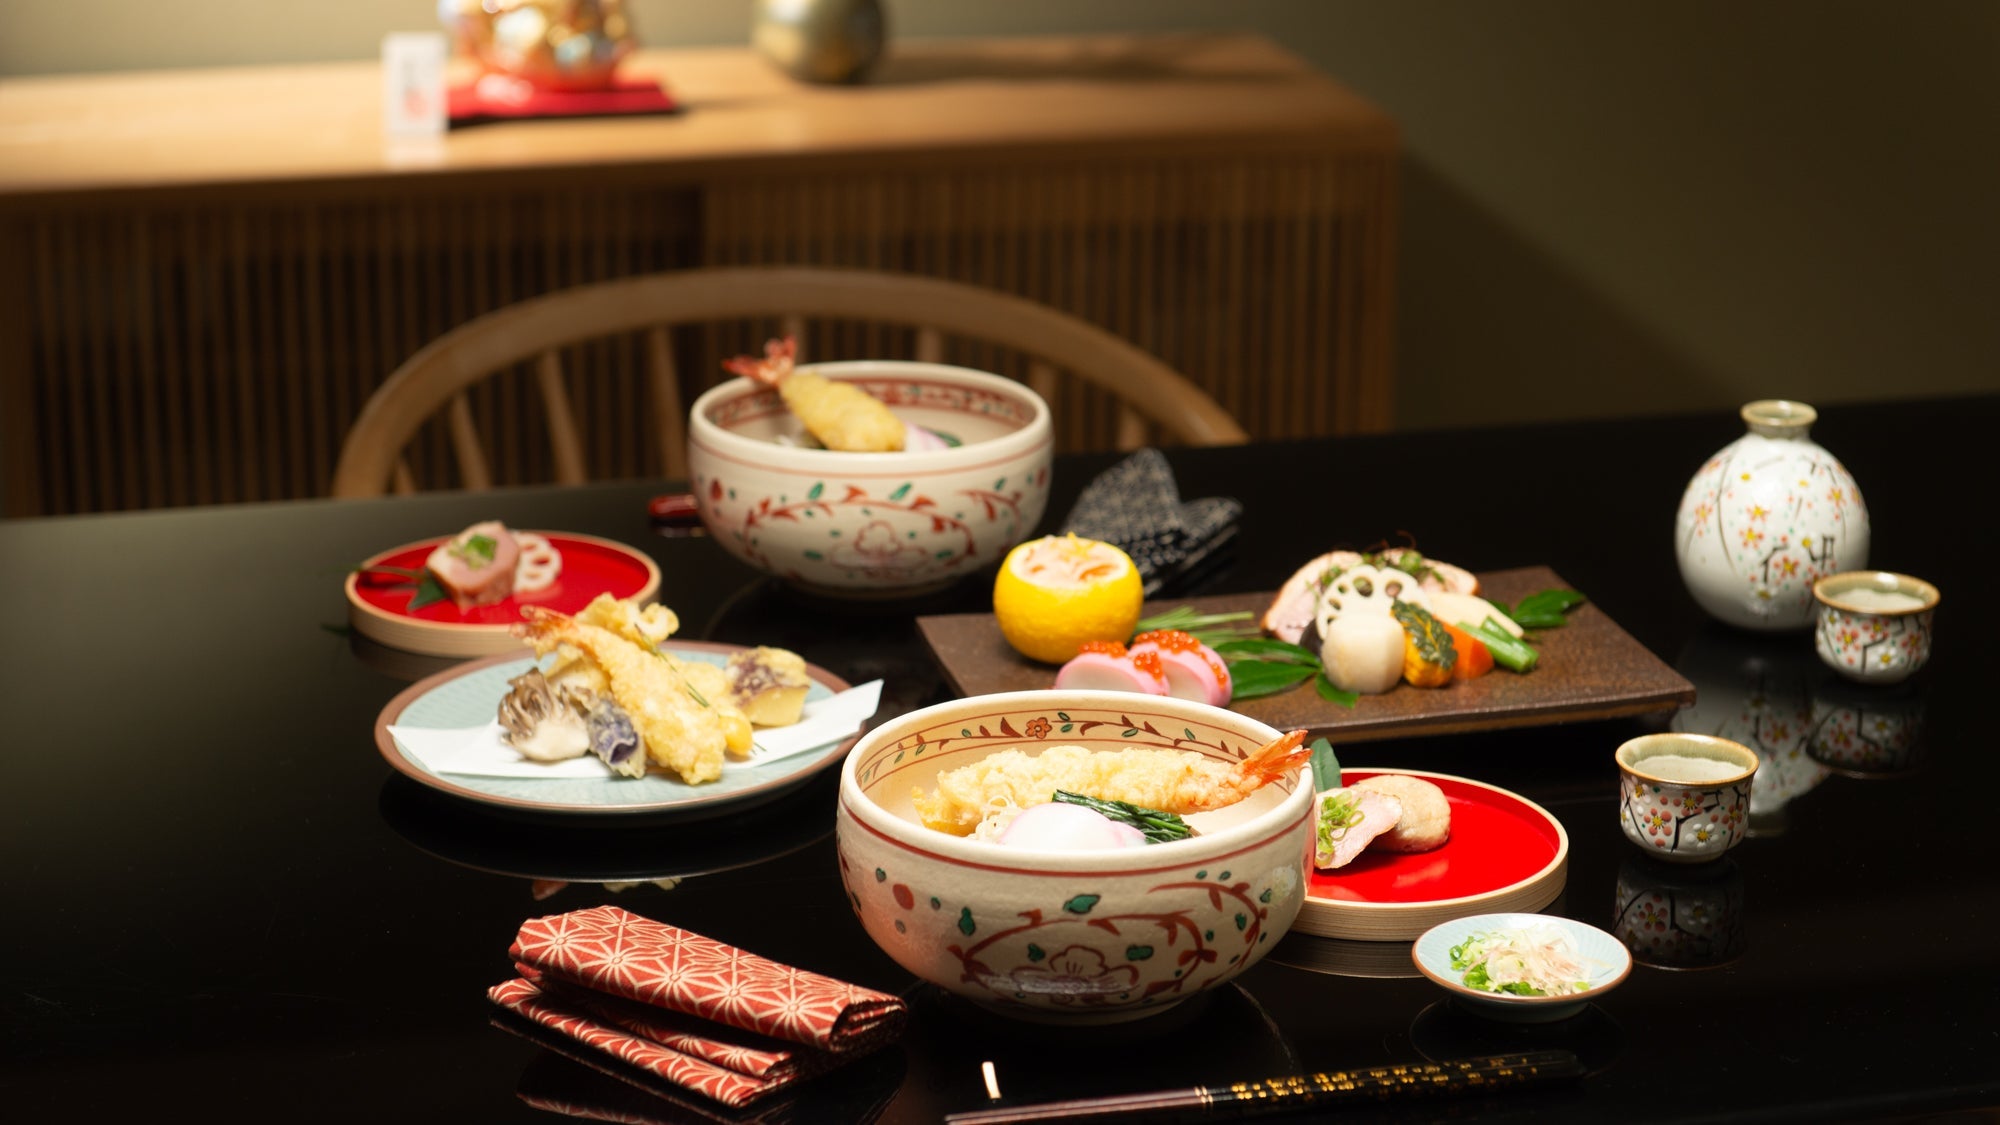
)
(1266, 648)
(1333, 694)
(1325, 765)
(1251, 679)
(429, 591)
(1260, 666)
(1211, 629)
(1544, 610)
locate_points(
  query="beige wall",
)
(1608, 208)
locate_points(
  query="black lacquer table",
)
(221, 903)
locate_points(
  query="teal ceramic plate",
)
(1605, 959)
(470, 694)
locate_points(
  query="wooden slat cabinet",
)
(204, 274)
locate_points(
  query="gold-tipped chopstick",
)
(1280, 1095)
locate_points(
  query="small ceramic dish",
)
(1874, 626)
(1605, 959)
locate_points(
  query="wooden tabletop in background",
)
(318, 122)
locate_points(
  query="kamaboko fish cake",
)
(1175, 781)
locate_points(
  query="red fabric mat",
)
(499, 98)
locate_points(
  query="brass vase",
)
(823, 41)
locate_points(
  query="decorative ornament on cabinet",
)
(823, 41)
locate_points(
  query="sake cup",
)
(1684, 798)
(1874, 626)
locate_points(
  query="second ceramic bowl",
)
(874, 525)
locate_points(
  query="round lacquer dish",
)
(1505, 853)
(380, 596)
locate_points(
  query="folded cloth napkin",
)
(627, 986)
(573, 1080)
(1136, 506)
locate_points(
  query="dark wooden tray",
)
(1589, 669)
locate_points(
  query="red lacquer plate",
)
(378, 605)
(1506, 853)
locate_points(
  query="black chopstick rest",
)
(1282, 1095)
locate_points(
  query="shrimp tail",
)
(1274, 761)
(774, 368)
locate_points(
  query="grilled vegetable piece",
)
(1363, 652)
(1474, 658)
(1428, 654)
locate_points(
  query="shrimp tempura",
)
(680, 730)
(840, 415)
(1175, 781)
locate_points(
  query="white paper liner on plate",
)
(481, 752)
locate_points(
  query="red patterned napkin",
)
(627, 986)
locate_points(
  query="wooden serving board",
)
(1589, 669)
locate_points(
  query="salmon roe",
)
(1149, 663)
(1174, 640)
(1108, 648)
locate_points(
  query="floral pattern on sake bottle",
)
(1765, 518)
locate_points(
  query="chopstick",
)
(1282, 1095)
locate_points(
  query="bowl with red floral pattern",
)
(872, 525)
(964, 864)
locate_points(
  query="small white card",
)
(482, 752)
(413, 84)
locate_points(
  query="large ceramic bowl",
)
(1076, 936)
(874, 524)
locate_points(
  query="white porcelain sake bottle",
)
(1767, 516)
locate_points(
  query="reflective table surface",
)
(222, 902)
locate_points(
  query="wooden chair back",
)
(1151, 396)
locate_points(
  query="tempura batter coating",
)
(680, 733)
(840, 415)
(648, 628)
(1175, 781)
